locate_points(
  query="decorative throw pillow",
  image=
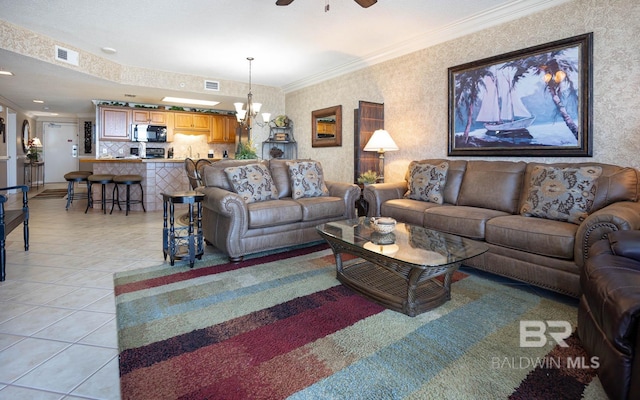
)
(253, 182)
(307, 179)
(426, 182)
(563, 194)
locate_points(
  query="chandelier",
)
(245, 114)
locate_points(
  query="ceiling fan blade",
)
(366, 3)
(283, 2)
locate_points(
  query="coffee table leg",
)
(448, 279)
(409, 306)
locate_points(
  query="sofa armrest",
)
(350, 192)
(620, 216)
(228, 205)
(377, 193)
(625, 244)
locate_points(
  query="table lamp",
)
(381, 142)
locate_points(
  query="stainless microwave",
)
(148, 133)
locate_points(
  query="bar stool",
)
(186, 242)
(127, 180)
(74, 177)
(104, 180)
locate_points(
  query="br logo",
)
(535, 333)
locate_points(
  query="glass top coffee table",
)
(408, 270)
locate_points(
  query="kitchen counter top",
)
(137, 160)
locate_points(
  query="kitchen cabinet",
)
(223, 129)
(114, 123)
(191, 122)
(149, 117)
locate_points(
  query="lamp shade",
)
(36, 142)
(381, 141)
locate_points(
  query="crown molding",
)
(475, 23)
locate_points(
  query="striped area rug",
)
(281, 326)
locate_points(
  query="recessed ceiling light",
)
(190, 101)
(39, 101)
(8, 73)
(109, 50)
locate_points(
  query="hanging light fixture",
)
(246, 114)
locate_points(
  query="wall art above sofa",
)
(530, 102)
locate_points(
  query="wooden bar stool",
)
(104, 180)
(127, 180)
(74, 177)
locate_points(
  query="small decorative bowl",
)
(383, 224)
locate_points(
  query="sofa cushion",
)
(252, 182)
(562, 194)
(454, 177)
(323, 207)
(406, 210)
(214, 175)
(533, 235)
(614, 184)
(460, 220)
(426, 182)
(273, 212)
(307, 179)
(280, 174)
(494, 185)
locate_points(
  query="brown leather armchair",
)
(609, 312)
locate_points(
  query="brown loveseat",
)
(239, 227)
(609, 312)
(483, 200)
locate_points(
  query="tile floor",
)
(57, 316)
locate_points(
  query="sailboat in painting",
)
(502, 110)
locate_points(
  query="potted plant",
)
(32, 153)
(246, 151)
(368, 177)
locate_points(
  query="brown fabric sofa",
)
(609, 312)
(482, 200)
(239, 228)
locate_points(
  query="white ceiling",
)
(293, 46)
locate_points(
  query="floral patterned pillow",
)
(563, 194)
(307, 179)
(426, 182)
(253, 182)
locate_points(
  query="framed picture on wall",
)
(530, 102)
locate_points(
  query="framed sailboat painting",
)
(530, 102)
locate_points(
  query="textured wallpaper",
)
(414, 88)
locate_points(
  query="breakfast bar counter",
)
(159, 175)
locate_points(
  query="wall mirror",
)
(25, 135)
(326, 127)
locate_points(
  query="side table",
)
(182, 242)
(31, 167)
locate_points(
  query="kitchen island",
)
(159, 175)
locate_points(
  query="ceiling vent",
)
(212, 85)
(67, 56)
